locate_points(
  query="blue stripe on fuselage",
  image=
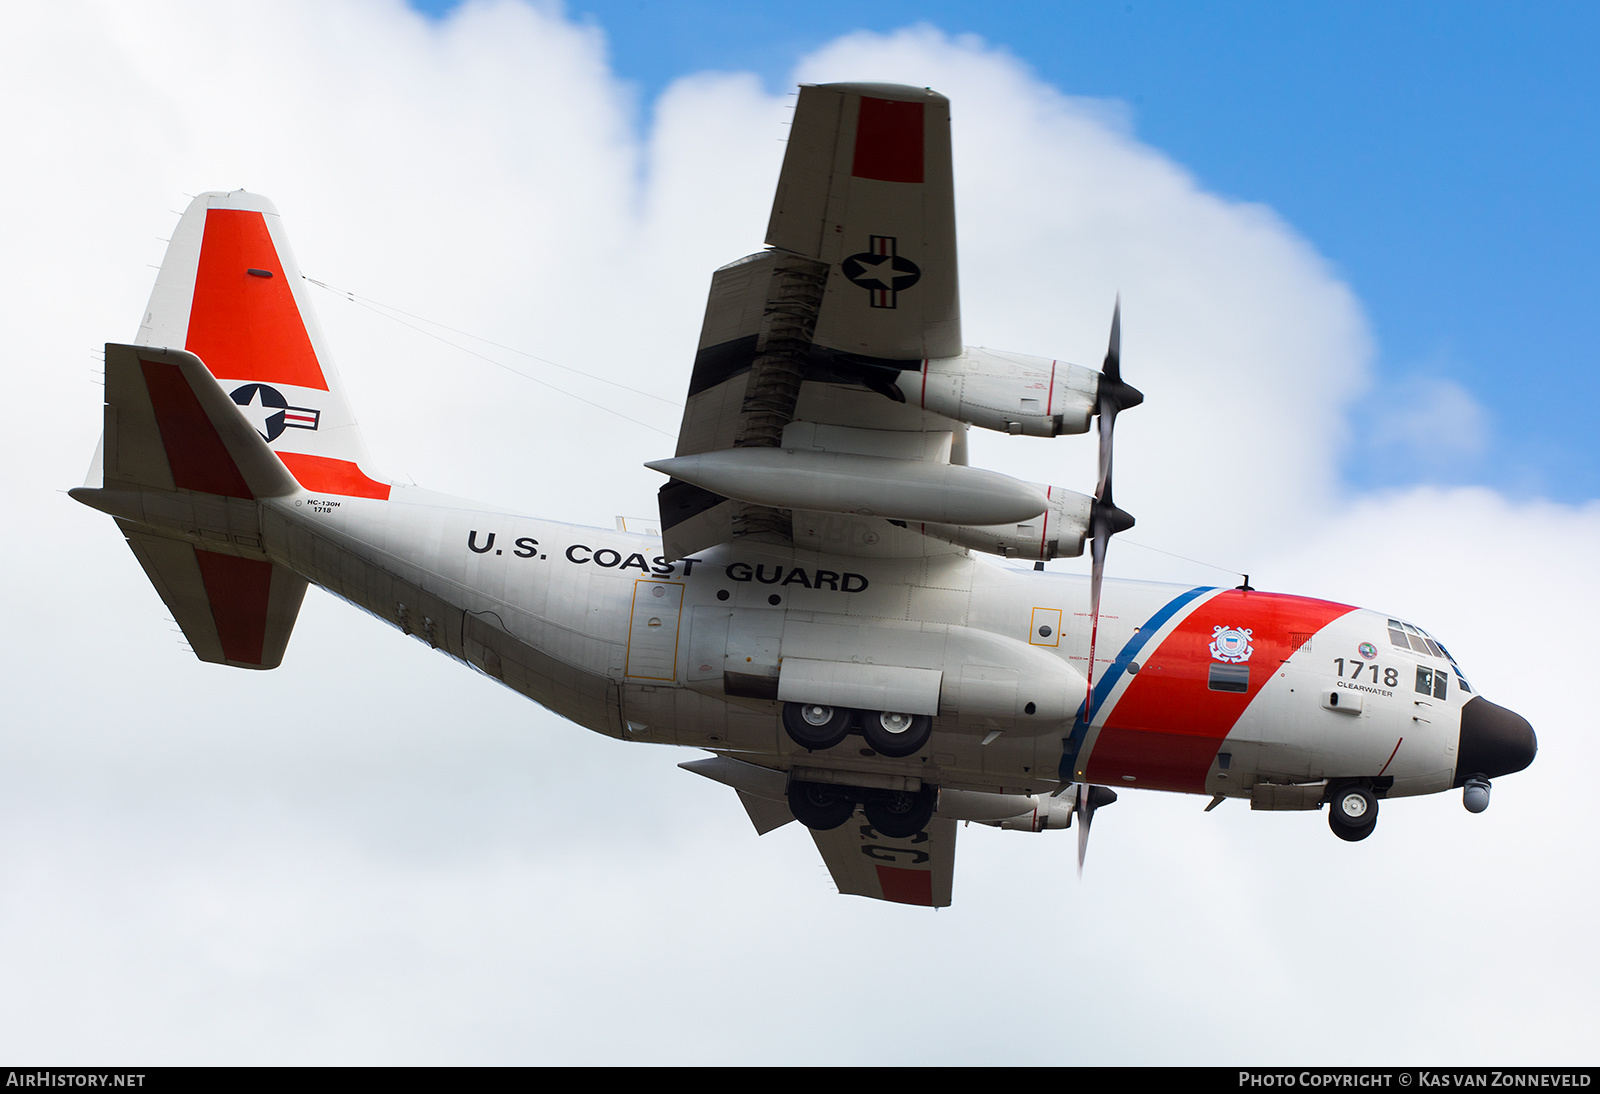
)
(1108, 682)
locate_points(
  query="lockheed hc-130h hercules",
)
(810, 611)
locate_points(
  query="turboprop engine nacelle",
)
(1015, 812)
(1058, 532)
(1006, 392)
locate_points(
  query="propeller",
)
(1089, 798)
(1105, 521)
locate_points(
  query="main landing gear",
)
(1352, 811)
(896, 814)
(815, 727)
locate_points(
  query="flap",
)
(862, 687)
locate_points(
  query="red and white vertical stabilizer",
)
(230, 292)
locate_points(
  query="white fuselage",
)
(597, 626)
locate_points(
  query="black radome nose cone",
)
(1494, 741)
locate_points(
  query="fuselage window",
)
(1230, 678)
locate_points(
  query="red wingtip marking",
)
(325, 475)
(195, 453)
(238, 590)
(906, 886)
(248, 327)
(888, 141)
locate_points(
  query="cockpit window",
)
(1461, 681)
(1418, 641)
(1397, 634)
(1408, 637)
(1434, 683)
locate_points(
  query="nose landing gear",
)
(1352, 812)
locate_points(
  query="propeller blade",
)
(1089, 798)
(1113, 363)
(1085, 815)
(1106, 520)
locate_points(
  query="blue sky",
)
(1441, 156)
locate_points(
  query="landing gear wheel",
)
(1353, 812)
(815, 727)
(890, 733)
(820, 806)
(900, 814)
(1354, 835)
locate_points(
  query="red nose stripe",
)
(242, 325)
(1165, 729)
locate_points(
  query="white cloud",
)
(373, 855)
(1431, 423)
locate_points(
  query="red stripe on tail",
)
(325, 475)
(242, 325)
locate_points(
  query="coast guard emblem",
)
(1231, 644)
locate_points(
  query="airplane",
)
(811, 612)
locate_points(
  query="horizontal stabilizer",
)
(233, 610)
(168, 426)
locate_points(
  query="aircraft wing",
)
(917, 870)
(804, 345)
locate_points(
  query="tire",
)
(1352, 812)
(820, 806)
(1354, 835)
(889, 733)
(900, 814)
(814, 726)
